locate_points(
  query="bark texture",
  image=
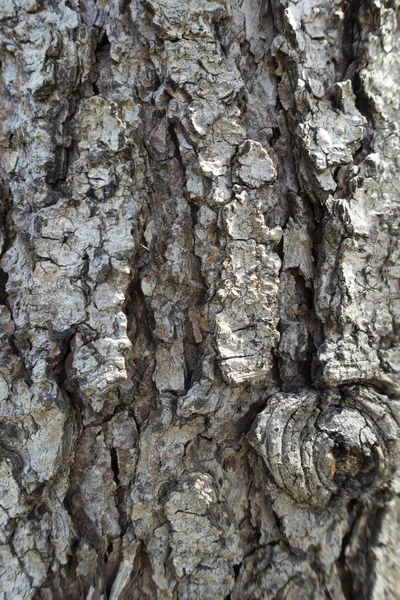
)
(200, 313)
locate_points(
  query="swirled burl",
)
(320, 443)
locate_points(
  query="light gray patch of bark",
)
(199, 307)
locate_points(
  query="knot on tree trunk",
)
(320, 443)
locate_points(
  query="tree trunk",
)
(200, 315)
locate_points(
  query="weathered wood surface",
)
(200, 314)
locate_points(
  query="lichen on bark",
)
(199, 302)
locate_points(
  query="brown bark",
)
(199, 309)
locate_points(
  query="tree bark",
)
(200, 316)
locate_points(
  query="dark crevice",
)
(192, 351)
(140, 326)
(352, 39)
(59, 370)
(5, 207)
(349, 39)
(136, 305)
(56, 170)
(103, 44)
(142, 586)
(123, 6)
(244, 423)
(355, 509)
(363, 102)
(276, 134)
(296, 372)
(24, 372)
(102, 59)
(114, 465)
(3, 282)
(177, 153)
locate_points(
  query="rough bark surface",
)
(200, 314)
